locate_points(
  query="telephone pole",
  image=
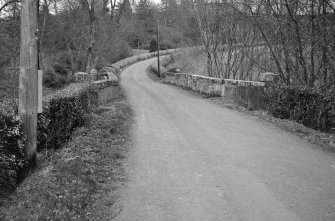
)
(28, 88)
(159, 67)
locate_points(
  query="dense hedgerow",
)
(11, 146)
(52, 79)
(312, 107)
(63, 112)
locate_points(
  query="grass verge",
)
(79, 181)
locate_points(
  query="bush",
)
(52, 79)
(153, 45)
(61, 70)
(11, 146)
(99, 64)
(166, 44)
(125, 51)
(312, 107)
(63, 112)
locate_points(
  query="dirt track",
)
(193, 160)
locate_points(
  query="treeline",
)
(79, 35)
(296, 36)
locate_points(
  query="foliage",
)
(166, 45)
(77, 181)
(11, 146)
(153, 45)
(145, 17)
(124, 51)
(63, 112)
(59, 69)
(53, 79)
(78, 34)
(314, 108)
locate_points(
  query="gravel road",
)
(194, 160)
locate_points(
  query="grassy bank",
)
(78, 181)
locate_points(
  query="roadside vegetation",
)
(74, 36)
(63, 112)
(79, 181)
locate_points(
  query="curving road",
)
(193, 160)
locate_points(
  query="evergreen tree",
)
(171, 14)
(125, 11)
(153, 45)
(145, 15)
(146, 22)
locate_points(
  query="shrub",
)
(99, 64)
(11, 146)
(314, 108)
(145, 47)
(52, 79)
(63, 112)
(166, 44)
(61, 70)
(153, 45)
(125, 51)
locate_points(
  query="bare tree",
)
(297, 35)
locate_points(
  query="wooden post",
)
(159, 68)
(28, 76)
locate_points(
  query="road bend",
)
(193, 160)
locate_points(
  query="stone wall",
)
(108, 89)
(250, 93)
(131, 60)
(107, 78)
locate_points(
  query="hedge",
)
(312, 107)
(63, 112)
(11, 146)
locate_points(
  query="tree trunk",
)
(325, 42)
(312, 43)
(90, 10)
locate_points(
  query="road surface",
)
(193, 160)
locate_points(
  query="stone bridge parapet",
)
(250, 93)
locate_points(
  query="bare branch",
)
(8, 3)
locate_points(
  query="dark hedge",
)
(11, 146)
(312, 107)
(63, 112)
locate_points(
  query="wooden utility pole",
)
(158, 64)
(28, 94)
